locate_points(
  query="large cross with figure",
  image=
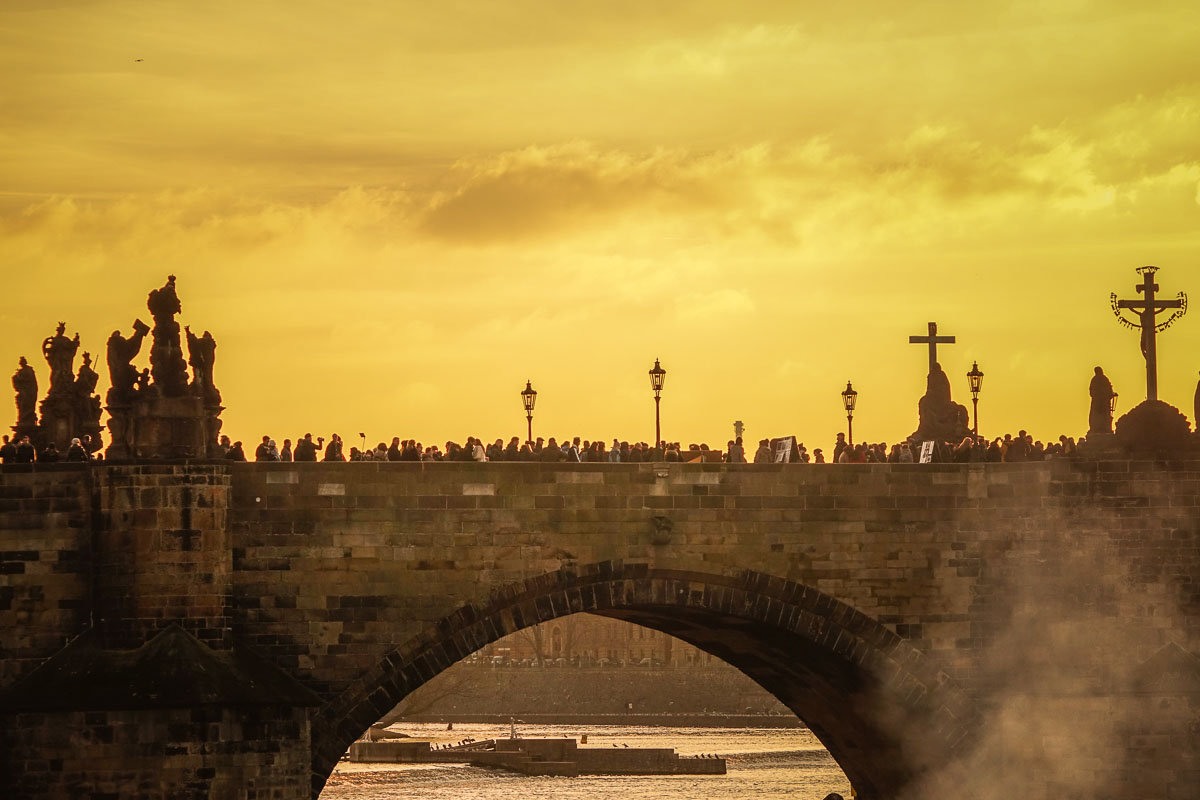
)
(933, 340)
(1147, 310)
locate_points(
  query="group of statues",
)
(167, 374)
(71, 408)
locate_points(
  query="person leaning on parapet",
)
(551, 453)
(763, 454)
(25, 452)
(736, 454)
(76, 452)
(839, 447)
(8, 452)
(236, 453)
(333, 450)
(306, 448)
(263, 451)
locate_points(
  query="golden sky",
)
(391, 214)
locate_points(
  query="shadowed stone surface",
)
(895, 608)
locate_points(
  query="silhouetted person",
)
(236, 453)
(333, 450)
(263, 451)
(76, 452)
(25, 452)
(8, 452)
(286, 453)
(306, 448)
(763, 454)
(50, 454)
(551, 453)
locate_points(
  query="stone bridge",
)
(216, 630)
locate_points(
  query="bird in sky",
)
(139, 59)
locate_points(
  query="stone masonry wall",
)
(1063, 580)
(162, 553)
(334, 565)
(158, 754)
(45, 569)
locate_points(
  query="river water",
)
(762, 763)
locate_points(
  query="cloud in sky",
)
(407, 209)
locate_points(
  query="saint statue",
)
(202, 352)
(85, 381)
(941, 419)
(24, 381)
(1100, 415)
(1196, 410)
(937, 386)
(87, 404)
(59, 352)
(166, 355)
(121, 372)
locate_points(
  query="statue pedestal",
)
(1101, 445)
(164, 428)
(62, 421)
(1153, 429)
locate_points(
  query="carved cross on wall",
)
(933, 340)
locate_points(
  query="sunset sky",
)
(391, 214)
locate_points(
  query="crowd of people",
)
(22, 451)
(1009, 448)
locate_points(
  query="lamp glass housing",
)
(658, 376)
(529, 397)
(849, 398)
(975, 376)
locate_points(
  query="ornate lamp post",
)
(528, 398)
(849, 398)
(1112, 405)
(975, 377)
(657, 376)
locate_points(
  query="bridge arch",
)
(882, 709)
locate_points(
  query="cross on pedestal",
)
(1147, 310)
(933, 340)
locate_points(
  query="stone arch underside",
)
(884, 712)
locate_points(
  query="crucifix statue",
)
(933, 340)
(1147, 310)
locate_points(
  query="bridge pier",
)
(153, 698)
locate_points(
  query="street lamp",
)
(657, 376)
(975, 377)
(528, 398)
(1112, 405)
(849, 398)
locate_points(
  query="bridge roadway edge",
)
(337, 569)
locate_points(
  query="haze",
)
(390, 215)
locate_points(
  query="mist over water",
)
(762, 763)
